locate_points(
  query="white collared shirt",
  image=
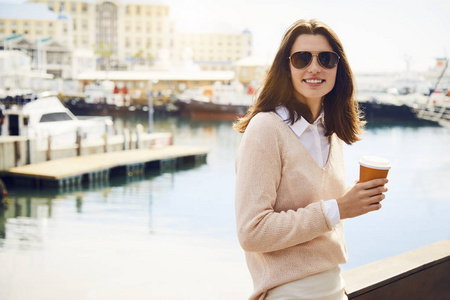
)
(313, 138)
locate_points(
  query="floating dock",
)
(73, 171)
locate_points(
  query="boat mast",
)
(444, 69)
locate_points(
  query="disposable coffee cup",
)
(372, 167)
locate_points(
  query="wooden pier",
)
(73, 171)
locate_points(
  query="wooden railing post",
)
(78, 142)
(49, 147)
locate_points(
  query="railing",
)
(422, 274)
(18, 151)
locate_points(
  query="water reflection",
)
(23, 220)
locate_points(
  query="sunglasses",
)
(326, 59)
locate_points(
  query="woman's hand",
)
(361, 198)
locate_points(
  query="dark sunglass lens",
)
(301, 59)
(328, 60)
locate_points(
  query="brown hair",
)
(342, 114)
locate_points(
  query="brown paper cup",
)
(373, 167)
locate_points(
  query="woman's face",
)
(313, 82)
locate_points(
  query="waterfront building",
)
(120, 32)
(72, 39)
(216, 50)
(16, 72)
(43, 35)
(123, 33)
(251, 70)
(35, 22)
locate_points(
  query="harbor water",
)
(171, 234)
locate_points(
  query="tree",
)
(105, 52)
(139, 56)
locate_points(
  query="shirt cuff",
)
(332, 211)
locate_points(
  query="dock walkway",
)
(75, 170)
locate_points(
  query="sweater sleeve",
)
(258, 175)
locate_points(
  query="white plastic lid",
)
(375, 162)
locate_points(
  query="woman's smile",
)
(314, 81)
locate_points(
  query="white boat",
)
(47, 117)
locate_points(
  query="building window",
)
(74, 7)
(84, 7)
(138, 10)
(127, 10)
(149, 10)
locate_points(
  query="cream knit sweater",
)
(280, 217)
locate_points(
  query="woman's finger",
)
(373, 183)
(375, 199)
(375, 191)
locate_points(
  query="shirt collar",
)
(301, 124)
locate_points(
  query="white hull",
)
(47, 119)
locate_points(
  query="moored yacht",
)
(47, 117)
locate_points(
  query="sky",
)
(378, 36)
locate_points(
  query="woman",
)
(290, 181)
